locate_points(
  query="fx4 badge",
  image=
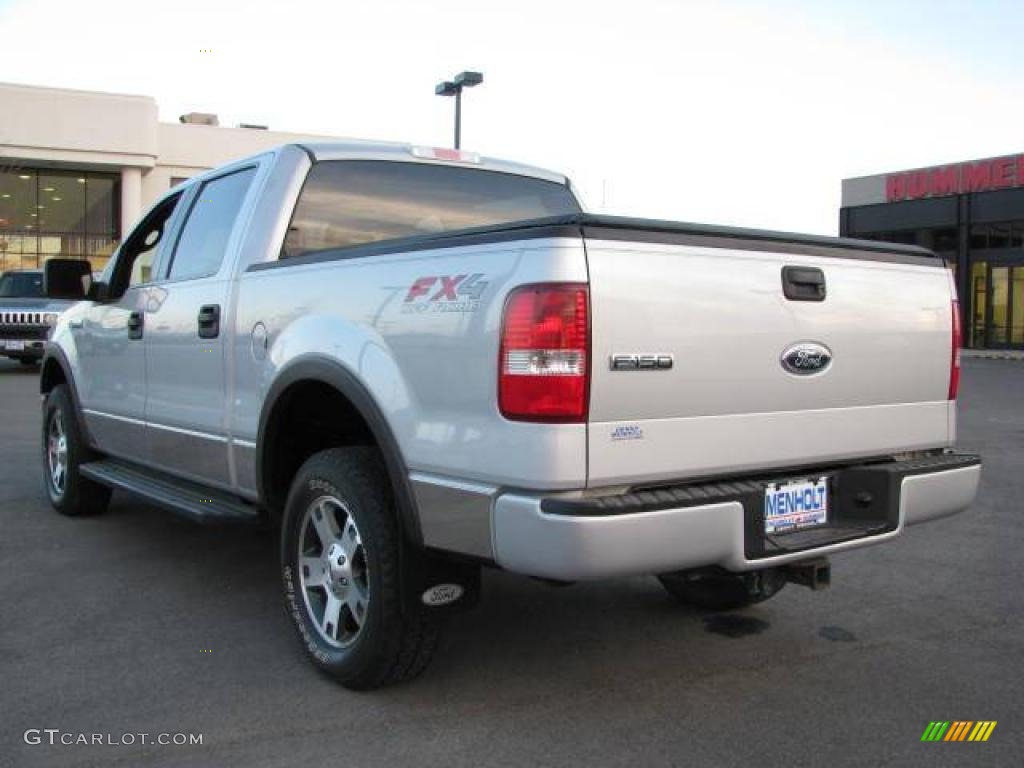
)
(445, 293)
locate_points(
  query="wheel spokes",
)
(355, 602)
(57, 452)
(333, 571)
(350, 540)
(325, 524)
(314, 572)
(332, 616)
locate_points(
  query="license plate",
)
(797, 505)
(14, 346)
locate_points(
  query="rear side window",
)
(354, 202)
(207, 230)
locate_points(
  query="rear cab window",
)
(347, 203)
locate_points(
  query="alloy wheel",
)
(57, 453)
(333, 572)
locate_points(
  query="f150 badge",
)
(445, 293)
(806, 358)
(651, 362)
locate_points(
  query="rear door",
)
(186, 407)
(729, 403)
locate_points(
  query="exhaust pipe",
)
(815, 574)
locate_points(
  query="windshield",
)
(21, 285)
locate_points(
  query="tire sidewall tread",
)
(81, 496)
(390, 646)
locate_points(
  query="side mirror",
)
(67, 279)
(98, 291)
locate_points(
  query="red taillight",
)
(543, 372)
(954, 362)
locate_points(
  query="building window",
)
(46, 213)
(1006, 234)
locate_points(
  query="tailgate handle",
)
(803, 283)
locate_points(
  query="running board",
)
(192, 500)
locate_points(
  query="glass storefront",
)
(47, 212)
(994, 304)
(978, 231)
(997, 314)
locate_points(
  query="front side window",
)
(135, 260)
(354, 202)
(204, 238)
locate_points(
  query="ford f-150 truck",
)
(416, 362)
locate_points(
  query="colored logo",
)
(959, 730)
(445, 293)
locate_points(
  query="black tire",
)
(77, 495)
(388, 647)
(715, 589)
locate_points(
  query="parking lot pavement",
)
(138, 622)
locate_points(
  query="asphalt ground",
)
(138, 622)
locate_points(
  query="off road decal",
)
(445, 293)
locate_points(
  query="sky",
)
(743, 112)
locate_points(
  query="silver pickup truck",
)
(416, 362)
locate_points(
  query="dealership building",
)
(77, 168)
(972, 214)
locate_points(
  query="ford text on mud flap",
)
(415, 364)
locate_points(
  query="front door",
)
(189, 330)
(112, 384)
(110, 341)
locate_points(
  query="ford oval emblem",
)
(442, 594)
(806, 358)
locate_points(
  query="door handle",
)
(136, 322)
(803, 283)
(209, 321)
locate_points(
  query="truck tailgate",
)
(728, 404)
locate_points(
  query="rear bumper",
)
(720, 524)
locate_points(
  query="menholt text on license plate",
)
(792, 506)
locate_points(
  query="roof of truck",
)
(353, 149)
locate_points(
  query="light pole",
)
(454, 88)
